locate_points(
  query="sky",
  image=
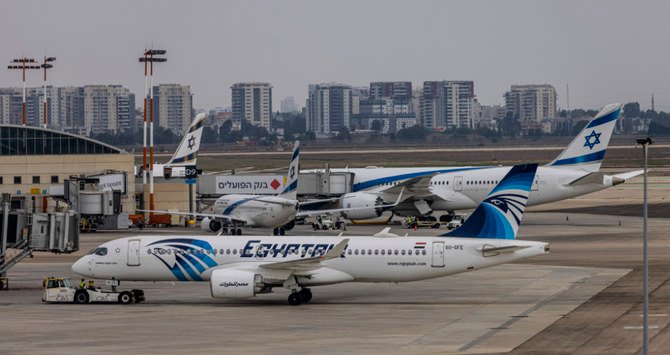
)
(606, 51)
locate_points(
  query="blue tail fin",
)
(587, 150)
(499, 215)
(291, 187)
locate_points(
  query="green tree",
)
(414, 132)
(631, 109)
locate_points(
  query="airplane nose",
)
(80, 267)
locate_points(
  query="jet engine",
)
(210, 225)
(236, 284)
(360, 200)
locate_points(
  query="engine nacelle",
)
(210, 225)
(235, 284)
(360, 200)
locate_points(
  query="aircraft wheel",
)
(315, 226)
(125, 297)
(288, 226)
(306, 295)
(138, 295)
(224, 230)
(81, 296)
(282, 231)
(275, 231)
(294, 299)
(239, 231)
(233, 231)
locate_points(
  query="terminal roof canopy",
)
(26, 140)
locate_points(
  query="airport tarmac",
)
(583, 297)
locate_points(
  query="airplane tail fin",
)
(291, 187)
(187, 151)
(587, 150)
(499, 215)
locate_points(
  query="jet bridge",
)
(325, 183)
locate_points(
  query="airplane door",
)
(536, 182)
(458, 183)
(438, 254)
(134, 252)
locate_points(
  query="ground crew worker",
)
(409, 221)
(91, 285)
(82, 284)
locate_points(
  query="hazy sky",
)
(608, 51)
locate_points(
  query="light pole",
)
(151, 56)
(645, 254)
(25, 63)
(46, 66)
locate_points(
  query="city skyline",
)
(292, 44)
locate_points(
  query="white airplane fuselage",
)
(465, 187)
(365, 259)
(257, 210)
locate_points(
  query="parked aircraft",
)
(186, 153)
(574, 172)
(242, 267)
(230, 212)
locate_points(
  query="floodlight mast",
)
(25, 63)
(150, 57)
(46, 66)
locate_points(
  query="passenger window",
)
(356, 251)
(416, 252)
(376, 252)
(349, 251)
(362, 251)
(395, 252)
(369, 251)
(423, 252)
(403, 252)
(234, 251)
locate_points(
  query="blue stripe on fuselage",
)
(234, 205)
(376, 182)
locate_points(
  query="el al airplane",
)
(187, 151)
(574, 172)
(278, 212)
(242, 267)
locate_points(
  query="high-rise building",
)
(173, 107)
(328, 108)
(71, 109)
(288, 105)
(396, 90)
(448, 104)
(107, 108)
(531, 104)
(252, 102)
(11, 106)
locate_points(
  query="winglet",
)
(499, 215)
(587, 149)
(187, 151)
(337, 251)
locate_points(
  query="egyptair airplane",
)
(242, 267)
(278, 212)
(574, 172)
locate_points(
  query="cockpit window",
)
(100, 251)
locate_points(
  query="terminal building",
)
(35, 162)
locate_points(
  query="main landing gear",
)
(298, 297)
(279, 231)
(233, 231)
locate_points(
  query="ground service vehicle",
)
(61, 290)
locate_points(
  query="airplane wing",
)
(308, 263)
(419, 185)
(335, 210)
(199, 214)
